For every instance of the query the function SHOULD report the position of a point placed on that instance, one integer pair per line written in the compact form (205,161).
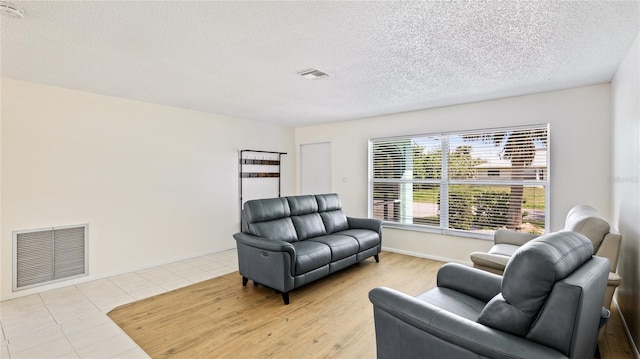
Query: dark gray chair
(548,304)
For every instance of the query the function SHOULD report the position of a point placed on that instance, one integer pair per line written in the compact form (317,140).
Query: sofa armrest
(510,237)
(474,282)
(366,223)
(266,261)
(418,329)
(272,245)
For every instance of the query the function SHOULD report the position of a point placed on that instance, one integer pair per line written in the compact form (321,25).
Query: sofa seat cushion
(366,238)
(341,246)
(453,301)
(504,249)
(310,255)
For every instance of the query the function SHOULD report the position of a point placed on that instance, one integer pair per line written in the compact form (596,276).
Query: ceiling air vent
(10,10)
(313,74)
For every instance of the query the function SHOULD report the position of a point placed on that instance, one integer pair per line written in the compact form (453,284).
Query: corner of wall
(625,185)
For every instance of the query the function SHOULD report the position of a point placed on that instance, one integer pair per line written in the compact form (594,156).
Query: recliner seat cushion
(310,255)
(529,278)
(454,301)
(504,249)
(341,246)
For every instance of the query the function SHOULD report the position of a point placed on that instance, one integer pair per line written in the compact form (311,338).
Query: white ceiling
(241,58)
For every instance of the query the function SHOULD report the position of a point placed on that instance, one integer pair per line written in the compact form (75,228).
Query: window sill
(435,230)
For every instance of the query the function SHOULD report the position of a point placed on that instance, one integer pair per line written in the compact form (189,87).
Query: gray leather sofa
(287,242)
(548,304)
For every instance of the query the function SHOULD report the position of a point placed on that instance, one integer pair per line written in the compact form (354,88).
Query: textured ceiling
(241,59)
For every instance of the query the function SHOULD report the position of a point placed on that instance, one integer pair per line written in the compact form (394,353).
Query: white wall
(626,184)
(155,183)
(580,151)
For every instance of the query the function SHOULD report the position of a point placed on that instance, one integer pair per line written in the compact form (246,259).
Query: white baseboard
(427,256)
(632,344)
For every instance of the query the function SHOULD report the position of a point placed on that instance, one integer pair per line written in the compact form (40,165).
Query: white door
(315,168)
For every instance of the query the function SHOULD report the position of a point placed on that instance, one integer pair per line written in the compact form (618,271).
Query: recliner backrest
(529,278)
(585,220)
(569,320)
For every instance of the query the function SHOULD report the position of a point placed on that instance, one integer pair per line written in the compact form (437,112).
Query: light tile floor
(72,322)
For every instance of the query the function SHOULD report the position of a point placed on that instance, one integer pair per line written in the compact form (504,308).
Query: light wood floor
(330,318)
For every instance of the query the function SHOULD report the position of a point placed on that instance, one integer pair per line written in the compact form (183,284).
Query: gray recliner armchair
(548,304)
(583,219)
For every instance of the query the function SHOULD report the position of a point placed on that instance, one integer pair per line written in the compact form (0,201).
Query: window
(471,182)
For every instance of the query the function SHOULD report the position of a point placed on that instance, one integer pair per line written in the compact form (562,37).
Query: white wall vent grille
(49,255)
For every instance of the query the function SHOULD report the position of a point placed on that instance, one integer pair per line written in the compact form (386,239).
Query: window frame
(444,182)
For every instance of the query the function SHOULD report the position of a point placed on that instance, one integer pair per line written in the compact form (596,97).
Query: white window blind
(468,182)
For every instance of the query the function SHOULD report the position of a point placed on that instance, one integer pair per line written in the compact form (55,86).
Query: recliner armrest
(474,282)
(609,249)
(512,237)
(614,279)
(494,262)
(366,223)
(454,330)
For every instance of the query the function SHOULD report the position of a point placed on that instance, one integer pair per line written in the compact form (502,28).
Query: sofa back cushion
(261,210)
(585,219)
(331,212)
(530,276)
(328,202)
(281,229)
(308,226)
(269,218)
(334,221)
(302,205)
